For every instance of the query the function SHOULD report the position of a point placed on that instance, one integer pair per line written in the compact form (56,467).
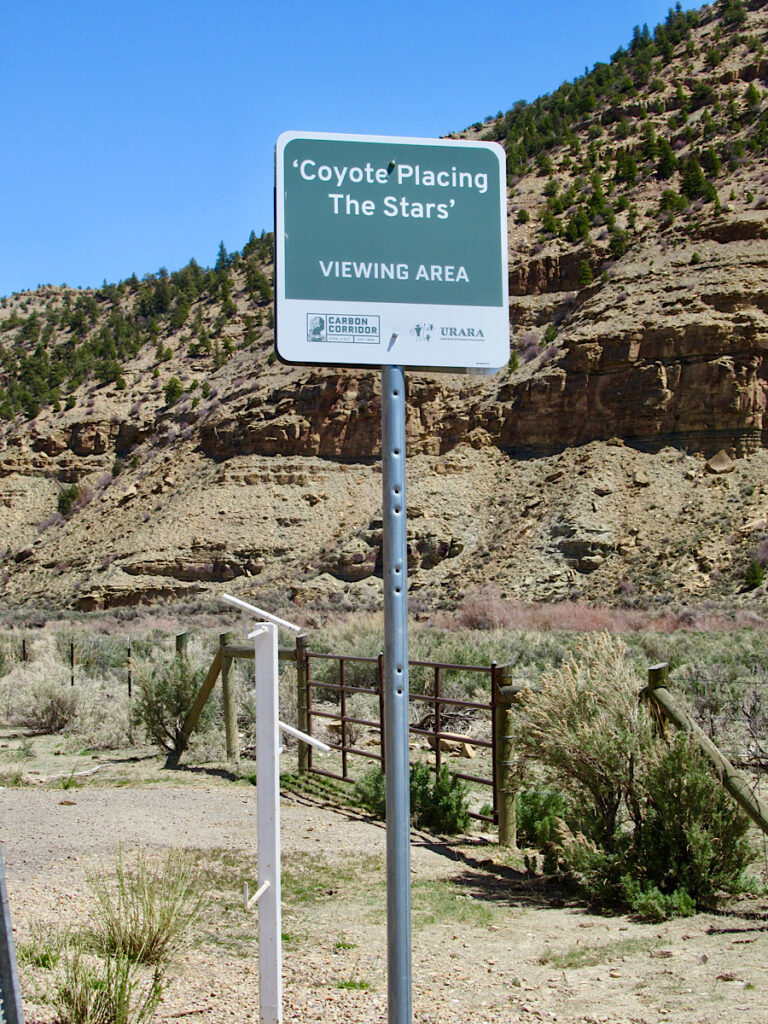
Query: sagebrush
(645,820)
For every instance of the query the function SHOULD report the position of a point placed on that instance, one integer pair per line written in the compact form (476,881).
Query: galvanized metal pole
(10,994)
(396,696)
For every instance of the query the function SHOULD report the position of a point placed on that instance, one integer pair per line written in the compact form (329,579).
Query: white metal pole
(268,824)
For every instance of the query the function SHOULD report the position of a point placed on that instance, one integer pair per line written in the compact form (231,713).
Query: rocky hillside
(152,449)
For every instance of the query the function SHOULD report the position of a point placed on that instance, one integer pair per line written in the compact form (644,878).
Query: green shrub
(165,695)
(173,390)
(690,834)
(370,793)
(438,800)
(67,499)
(619,243)
(649,904)
(587,729)
(536,811)
(641,811)
(584,274)
(754,575)
(440,805)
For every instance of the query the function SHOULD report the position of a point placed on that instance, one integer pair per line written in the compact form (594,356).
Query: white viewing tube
(238,603)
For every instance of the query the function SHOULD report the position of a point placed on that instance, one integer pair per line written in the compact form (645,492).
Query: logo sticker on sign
(344,330)
(379,239)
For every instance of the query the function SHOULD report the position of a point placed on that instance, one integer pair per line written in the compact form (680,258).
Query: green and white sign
(391,251)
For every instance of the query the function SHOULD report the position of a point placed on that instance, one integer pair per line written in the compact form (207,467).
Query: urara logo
(423,331)
(461,332)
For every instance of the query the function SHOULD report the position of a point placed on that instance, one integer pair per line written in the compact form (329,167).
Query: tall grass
(147,911)
(108,991)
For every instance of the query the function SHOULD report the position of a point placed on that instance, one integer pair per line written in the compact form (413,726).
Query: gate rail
(436,701)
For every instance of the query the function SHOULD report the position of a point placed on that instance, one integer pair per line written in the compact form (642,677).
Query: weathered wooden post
(71,662)
(732,780)
(198,704)
(302,704)
(504,783)
(130,671)
(229,700)
(181,644)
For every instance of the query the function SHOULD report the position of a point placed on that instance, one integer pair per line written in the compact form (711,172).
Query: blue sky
(138,135)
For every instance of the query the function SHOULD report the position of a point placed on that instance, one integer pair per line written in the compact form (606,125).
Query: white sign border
(453,327)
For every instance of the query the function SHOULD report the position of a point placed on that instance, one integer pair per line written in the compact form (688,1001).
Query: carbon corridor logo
(348,330)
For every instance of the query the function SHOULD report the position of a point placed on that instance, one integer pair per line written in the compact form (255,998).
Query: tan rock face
(269,473)
(672,353)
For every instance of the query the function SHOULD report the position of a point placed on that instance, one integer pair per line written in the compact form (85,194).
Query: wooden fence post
(71,662)
(198,704)
(731,779)
(301,699)
(130,671)
(504,784)
(229,699)
(181,644)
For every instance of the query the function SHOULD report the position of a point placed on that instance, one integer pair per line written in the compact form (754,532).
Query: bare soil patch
(491,943)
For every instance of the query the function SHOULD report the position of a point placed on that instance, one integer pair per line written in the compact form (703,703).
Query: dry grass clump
(114,972)
(104,991)
(103,717)
(36,693)
(147,910)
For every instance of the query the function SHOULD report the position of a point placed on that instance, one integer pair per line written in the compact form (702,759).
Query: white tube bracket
(305,737)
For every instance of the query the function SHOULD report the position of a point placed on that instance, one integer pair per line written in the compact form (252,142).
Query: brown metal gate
(360,675)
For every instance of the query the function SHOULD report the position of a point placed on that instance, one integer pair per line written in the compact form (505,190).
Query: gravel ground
(489,944)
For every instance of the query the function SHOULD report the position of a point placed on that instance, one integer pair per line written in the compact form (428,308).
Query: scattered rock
(720,463)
